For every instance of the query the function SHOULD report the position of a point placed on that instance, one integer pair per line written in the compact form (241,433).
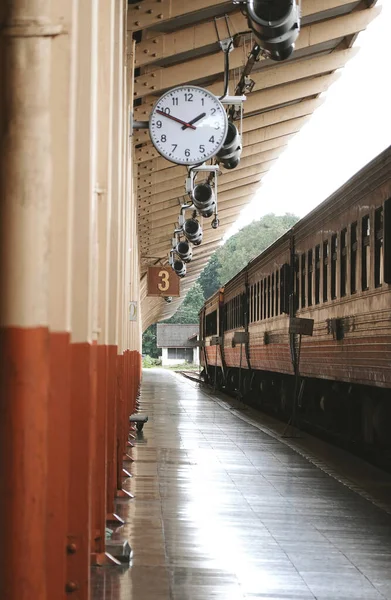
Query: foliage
(188,311)
(209,279)
(149,342)
(249,242)
(149,362)
(228,260)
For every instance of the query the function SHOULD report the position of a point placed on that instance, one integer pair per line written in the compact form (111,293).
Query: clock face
(188,125)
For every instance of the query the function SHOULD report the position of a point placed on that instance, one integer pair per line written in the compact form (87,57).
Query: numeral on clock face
(188,125)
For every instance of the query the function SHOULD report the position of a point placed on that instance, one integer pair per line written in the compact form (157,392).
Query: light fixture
(203,198)
(192,230)
(229,155)
(183,250)
(179,267)
(275,25)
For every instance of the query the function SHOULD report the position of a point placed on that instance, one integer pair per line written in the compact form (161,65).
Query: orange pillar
(24,383)
(58,465)
(112,433)
(83,298)
(25,184)
(81,458)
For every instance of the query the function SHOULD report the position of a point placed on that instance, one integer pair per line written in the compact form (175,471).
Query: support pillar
(25,187)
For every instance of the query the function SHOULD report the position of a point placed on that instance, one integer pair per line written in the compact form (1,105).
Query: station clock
(188,125)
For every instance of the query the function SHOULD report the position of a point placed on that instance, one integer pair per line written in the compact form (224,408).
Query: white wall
(167,362)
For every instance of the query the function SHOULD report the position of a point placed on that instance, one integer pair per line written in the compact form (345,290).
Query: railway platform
(227,509)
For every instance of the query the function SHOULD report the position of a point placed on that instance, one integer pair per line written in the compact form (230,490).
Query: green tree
(222,266)
(190,307)
(149,342)
(209,279)
(249,242)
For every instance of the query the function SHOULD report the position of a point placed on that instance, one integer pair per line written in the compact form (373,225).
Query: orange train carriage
(334,266)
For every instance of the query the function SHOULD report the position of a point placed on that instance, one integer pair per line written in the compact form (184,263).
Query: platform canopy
(177,44)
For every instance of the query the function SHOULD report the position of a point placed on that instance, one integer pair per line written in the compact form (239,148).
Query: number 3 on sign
(165,281)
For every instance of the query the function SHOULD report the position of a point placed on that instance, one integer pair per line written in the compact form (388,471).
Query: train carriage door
(387,240)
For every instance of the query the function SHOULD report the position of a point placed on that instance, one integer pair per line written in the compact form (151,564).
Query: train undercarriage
(356,416)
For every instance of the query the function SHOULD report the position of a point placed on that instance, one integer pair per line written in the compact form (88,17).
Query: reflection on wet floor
(224,511)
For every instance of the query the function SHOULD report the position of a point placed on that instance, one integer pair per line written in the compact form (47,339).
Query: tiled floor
(224,511)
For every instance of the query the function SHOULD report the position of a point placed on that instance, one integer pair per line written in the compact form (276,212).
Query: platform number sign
(162,281)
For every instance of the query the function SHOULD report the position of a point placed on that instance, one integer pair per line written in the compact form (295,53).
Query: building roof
(176,336)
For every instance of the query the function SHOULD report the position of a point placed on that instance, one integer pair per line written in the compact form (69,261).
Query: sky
(351,127)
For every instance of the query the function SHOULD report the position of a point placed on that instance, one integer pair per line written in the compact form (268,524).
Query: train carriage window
(317,274)
(254,302)
(325,269)
(211,323)
(344,262)
(387,241)
(251,303)
(261,300)
(365,252)
(258,301)
(268,297)
(334,256)
(264,299)
(277,292)
(353,258)
(272,297)
(379,250)
(309,277)
(302,293)
(297,284)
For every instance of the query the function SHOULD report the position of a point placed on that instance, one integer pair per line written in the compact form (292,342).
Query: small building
(178,343)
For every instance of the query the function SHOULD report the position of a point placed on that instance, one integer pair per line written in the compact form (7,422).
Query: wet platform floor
(224,511)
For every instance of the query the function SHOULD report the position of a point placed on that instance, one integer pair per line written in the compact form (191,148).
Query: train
(304,330)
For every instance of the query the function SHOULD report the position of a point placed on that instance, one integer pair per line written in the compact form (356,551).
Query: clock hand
(201,116)
(186,125)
